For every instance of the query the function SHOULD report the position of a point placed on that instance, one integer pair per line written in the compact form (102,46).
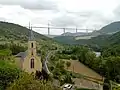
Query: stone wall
(83,83)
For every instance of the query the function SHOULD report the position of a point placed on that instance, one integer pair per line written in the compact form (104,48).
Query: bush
(28,82)
(8,73)
(68,64)
(116,88)
(16,48)
(5,53)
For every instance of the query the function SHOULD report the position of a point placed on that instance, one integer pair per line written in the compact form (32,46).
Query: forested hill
(95,42)
(106,39)
(18,35)
(10,31)
(107,35)
(102,41)
(111,28)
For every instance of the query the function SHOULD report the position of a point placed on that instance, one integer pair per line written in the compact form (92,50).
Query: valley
(71,60)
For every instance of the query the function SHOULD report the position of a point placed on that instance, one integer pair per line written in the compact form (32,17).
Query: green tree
(112,66)
(28,82)
(68,64)
(16,48)
(111,51)
(8,73)
(5,53)
(89,58)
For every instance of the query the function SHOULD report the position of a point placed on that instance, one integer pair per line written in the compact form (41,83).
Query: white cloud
(60,13)
(31,4)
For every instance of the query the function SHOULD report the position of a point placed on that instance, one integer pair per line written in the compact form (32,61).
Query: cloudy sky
(91,14)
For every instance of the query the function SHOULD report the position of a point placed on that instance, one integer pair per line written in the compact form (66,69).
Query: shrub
(8,73)
(28,82)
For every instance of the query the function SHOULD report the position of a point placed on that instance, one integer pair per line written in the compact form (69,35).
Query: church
(29,61)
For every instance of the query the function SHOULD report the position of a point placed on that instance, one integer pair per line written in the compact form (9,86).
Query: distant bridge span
(63,28)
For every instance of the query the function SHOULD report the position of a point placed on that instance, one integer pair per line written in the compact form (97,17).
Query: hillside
(115,38)
(99,40)
(111,28)
(14,33)
(108,29)
(74,34)
(65,39)
(95,42)
(109,34)
(103,40)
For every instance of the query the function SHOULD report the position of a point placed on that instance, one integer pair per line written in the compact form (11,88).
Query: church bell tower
(32,62)
(32,44)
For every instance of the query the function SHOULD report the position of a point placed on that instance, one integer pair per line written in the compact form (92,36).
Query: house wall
(30,49)
(27,64)
(19,62)
(32,54)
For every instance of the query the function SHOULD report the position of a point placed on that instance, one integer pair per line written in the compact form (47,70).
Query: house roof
(31,35)
(21,54)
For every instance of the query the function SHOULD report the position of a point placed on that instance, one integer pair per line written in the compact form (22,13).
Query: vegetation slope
(109,34)
(10,31)
(107,65)
(15,34)
(111,28)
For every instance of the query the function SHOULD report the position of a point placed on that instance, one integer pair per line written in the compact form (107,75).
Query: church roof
(21,54)
(31,34)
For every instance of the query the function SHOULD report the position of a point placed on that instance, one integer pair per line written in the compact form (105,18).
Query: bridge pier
(63,30)
(48,29)
(87,31)
(76,30)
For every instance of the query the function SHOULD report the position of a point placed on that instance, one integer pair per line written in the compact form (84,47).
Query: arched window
(32,45)
(32,63)
(32,52)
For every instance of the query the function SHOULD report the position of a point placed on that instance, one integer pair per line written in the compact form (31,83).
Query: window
(32,63)
(32,52)
(32,45)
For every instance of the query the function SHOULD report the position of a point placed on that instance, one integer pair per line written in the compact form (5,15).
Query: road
(45,67)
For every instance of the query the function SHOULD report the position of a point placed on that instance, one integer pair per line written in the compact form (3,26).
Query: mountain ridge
(112,27)
(102,39)
(9,30)
(16,34)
